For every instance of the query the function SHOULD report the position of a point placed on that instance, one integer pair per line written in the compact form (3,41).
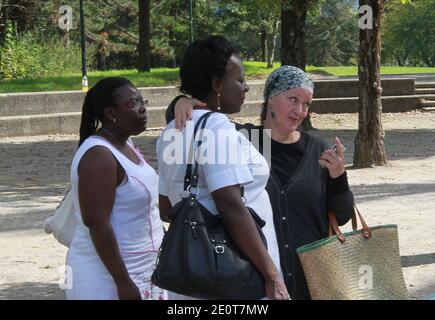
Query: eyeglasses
(136,102)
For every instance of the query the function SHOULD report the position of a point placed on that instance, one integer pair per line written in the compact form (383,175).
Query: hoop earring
(219,101)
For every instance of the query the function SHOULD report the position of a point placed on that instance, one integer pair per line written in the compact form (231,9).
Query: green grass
(258,70)
(353,70)
(157,77)
(166,76)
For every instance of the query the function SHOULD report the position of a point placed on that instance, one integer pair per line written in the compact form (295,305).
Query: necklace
(110,134)
(117,147)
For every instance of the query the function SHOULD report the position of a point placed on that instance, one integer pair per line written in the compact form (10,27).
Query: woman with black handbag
(307,178)
(230,167)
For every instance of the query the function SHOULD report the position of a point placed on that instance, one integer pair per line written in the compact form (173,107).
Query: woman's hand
(183,110)
(276,289)
(241,227)
(333,160)
(128,291)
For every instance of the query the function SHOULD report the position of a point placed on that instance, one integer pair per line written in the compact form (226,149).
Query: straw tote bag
(359,265)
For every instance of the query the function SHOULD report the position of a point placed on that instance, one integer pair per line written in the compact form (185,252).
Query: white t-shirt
(226,158)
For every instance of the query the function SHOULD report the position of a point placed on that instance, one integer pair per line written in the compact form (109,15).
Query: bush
(122,60)
(27,58)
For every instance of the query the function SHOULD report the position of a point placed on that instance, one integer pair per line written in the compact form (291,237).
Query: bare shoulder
(98,160)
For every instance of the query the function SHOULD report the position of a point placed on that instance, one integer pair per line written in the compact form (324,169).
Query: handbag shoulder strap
(191,179)
(335,230)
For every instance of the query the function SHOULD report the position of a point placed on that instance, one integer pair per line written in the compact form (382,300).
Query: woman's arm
(339,197)
(98,180)
(242,229)
(165,208)
(170,110)
(181,109)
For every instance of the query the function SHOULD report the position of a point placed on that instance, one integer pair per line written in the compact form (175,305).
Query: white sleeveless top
(136,224)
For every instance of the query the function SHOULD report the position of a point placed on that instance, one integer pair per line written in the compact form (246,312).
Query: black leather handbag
(198,258)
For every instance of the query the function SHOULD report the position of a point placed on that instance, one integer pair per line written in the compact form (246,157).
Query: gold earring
(219,101)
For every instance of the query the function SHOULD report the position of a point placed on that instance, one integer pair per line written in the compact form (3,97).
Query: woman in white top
(114,249)
(212,73)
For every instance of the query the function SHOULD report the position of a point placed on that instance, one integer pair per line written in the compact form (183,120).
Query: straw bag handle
(334,229)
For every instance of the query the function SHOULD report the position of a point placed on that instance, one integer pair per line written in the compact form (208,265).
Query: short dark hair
(204,60)
(101,96)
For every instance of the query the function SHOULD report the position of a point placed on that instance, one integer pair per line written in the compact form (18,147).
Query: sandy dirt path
(34,173)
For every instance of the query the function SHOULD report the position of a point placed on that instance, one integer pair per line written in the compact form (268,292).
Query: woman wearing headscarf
(212,71)
(307,177)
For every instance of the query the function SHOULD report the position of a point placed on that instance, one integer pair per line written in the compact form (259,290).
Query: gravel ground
(34,173)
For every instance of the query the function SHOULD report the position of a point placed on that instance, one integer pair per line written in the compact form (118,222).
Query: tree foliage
(409,33)
(253,26)
(27,57)
(332,33)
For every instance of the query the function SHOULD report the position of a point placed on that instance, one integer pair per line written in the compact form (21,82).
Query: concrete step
(40,103)
(425,84)
(345,88)
(419,91)
(72,101)
(69,101)
(428,109)
(429,97)
(59,123)
(69,122)
(351,105)
(427,104)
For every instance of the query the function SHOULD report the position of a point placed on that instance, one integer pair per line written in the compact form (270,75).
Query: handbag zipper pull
(194,231)
(193,228)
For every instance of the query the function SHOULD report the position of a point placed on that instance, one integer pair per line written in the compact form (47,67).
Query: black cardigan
(300,207)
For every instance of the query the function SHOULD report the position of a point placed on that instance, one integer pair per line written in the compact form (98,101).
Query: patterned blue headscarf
(286,78)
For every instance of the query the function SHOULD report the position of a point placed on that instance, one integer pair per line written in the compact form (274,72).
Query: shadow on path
(417,260)
(31,291)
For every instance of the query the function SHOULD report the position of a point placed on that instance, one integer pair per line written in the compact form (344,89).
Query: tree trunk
(65,38)
(172,36)
(271,55)
(399,60)
(264,53)
(103,52)
(293,34)
(293,41)
(369,142)
(172,63)
(3,8)
(144,36)
(2,32)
